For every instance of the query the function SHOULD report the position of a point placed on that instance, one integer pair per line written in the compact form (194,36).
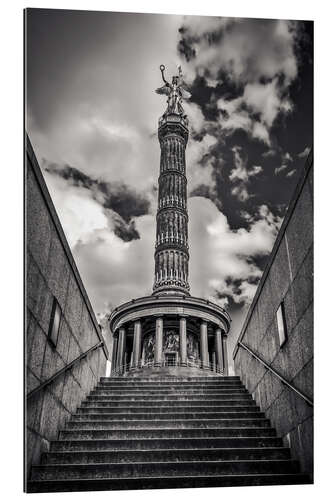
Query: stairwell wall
(51,273)
(288,278)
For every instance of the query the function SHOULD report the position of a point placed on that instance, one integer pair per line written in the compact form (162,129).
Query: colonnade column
(158,342)
(214,361)
(183,341)
(137,343)
(225,355)
(114,353)
(121,347)
(218,349)
(204,344)
(143,356)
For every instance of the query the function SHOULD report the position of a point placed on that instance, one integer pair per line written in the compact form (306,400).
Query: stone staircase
(166,433)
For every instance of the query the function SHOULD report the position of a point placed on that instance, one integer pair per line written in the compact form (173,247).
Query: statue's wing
(185,93)
(163,90)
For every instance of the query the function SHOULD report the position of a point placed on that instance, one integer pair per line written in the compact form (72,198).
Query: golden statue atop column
(176,91)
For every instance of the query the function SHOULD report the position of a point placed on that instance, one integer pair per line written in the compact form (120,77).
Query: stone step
(166,432)
(199,481)
(173,455)
(158,469)
(164,443)
(174,432)
(171,397)
(164,416)
(157,385)
(130,412)
(172,392)
(170,379)
(168,424)
(227,403)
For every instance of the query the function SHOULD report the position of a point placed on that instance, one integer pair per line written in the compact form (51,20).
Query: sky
(92,115)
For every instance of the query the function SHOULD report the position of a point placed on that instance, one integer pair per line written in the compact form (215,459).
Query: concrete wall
(288,277)
(50,271)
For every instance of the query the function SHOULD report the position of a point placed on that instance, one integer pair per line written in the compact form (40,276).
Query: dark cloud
(71,174)
(233,291)
(185,48)
(114,197)
(123,200)
(126,232)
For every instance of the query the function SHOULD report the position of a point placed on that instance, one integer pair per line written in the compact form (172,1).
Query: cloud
(79,213)
(114,264)
(219,256)
(200,163)
(269,153)
(115,271)
(255,170)
(241,192)
(304,153)
(241,174)
(96,107)
(241,292)
(240,171)
(195,115)
(266,100)
(199,26)
(246,49)
(257,56)
(120,203)
(263,101)
(277,170)
(287,157)
(286,160)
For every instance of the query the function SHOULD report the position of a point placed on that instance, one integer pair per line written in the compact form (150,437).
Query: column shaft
(121,348)
(114,353)
(137,343)
(225,355)
(204,344)
(183,341)
(218,349)
(214,361)
(158,342)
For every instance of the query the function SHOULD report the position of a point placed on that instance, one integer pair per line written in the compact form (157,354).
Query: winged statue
(176,91)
